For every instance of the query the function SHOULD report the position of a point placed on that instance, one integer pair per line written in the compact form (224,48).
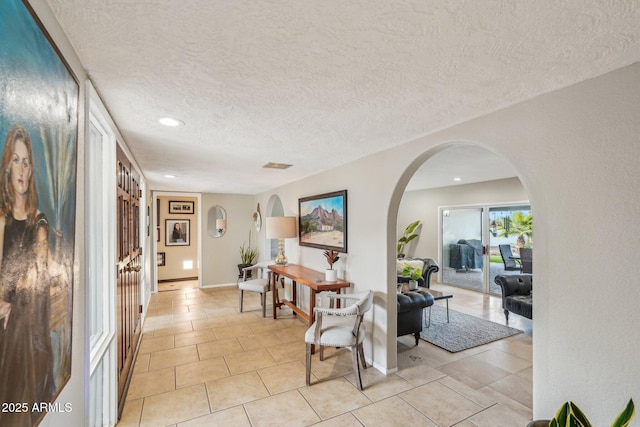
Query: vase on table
(331,275)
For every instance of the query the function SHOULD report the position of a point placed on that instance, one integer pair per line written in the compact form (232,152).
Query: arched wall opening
(274,208)
(517,193)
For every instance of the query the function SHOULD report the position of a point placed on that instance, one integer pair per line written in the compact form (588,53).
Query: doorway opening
(177,244)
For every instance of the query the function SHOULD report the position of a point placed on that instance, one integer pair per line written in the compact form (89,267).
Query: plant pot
(539,423)
(413,285)
(240,267)
(330,275)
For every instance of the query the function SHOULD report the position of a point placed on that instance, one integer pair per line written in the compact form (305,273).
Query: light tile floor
(202,363)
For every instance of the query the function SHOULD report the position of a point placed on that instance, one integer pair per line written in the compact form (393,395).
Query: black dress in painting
(26,355)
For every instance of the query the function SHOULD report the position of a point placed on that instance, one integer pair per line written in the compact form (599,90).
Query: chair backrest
(505,253)
(365,302)
(261,269)
(526,258)
(363,305)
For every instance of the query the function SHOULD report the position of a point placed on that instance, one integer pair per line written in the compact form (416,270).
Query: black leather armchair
(429,266)
(516,294)
(410,312)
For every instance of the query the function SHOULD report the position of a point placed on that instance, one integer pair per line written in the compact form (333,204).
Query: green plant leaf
(406,238)
(573,421)
(579,415)
(624,418)
(562,416)
(411,227)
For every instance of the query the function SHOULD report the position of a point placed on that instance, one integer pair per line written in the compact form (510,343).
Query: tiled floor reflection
(202,363)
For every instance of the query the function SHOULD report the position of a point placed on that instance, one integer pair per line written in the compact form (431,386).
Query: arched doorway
(274,208)
(467,200)
(439,160)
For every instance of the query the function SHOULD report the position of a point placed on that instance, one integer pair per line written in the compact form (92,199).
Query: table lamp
(281,227)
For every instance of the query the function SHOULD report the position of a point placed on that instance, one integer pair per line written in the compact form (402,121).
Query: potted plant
(247,256)
(414,274)
(569,415)
(408,236)
(332,257)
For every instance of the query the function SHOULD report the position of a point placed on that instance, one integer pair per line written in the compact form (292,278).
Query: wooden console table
(314,280)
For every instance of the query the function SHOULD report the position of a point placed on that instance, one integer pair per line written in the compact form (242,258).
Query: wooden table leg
(274,293)
(312,305)
(294,294)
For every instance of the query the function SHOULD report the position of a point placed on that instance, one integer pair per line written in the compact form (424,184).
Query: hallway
(203,363)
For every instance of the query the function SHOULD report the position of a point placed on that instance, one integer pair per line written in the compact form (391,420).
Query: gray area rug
(463,331)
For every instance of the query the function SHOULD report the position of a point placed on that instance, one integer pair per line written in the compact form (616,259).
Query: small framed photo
(178,207)
(177,232)
(161,259)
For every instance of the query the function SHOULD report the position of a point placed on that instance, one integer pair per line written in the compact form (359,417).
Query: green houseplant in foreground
(569,415)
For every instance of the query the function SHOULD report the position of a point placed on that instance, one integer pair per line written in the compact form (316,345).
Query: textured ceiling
(318,84)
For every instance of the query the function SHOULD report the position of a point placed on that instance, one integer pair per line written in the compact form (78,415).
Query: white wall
(576,151)
(221,255)
(423,205)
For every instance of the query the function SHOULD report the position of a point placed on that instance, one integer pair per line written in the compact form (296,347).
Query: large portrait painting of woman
(38,133)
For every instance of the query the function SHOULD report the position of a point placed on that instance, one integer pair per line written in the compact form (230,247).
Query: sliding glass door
(462,247)
(480,242)
(510,229)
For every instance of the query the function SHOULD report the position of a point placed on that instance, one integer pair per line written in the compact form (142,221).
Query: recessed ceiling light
(457,178)
(272,165)
(168,121)
(169,176)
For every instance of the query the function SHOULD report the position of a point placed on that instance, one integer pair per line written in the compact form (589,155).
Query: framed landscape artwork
(177,232)
(39,98)
(323,221)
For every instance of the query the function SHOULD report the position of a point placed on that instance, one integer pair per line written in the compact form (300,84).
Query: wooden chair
(340,327)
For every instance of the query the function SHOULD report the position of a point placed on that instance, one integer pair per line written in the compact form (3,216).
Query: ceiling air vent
(272,165)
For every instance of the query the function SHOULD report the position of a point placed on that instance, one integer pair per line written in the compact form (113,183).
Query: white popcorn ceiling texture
(317,84)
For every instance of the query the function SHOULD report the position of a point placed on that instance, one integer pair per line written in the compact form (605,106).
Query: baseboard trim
(178,280)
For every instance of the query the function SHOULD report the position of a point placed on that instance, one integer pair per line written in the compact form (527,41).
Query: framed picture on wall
(177,207)
(161,259)
(323,221)
(177,232)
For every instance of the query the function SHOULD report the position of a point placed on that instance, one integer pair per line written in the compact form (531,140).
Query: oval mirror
(217,221)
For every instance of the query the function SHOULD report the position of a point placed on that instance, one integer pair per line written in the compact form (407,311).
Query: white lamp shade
(221,224)
(281,227)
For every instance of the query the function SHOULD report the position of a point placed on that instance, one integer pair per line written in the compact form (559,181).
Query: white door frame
(100,217)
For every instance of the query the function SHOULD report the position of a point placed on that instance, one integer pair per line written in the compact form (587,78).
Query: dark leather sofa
(516,294)
(410,311)
(429,266)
